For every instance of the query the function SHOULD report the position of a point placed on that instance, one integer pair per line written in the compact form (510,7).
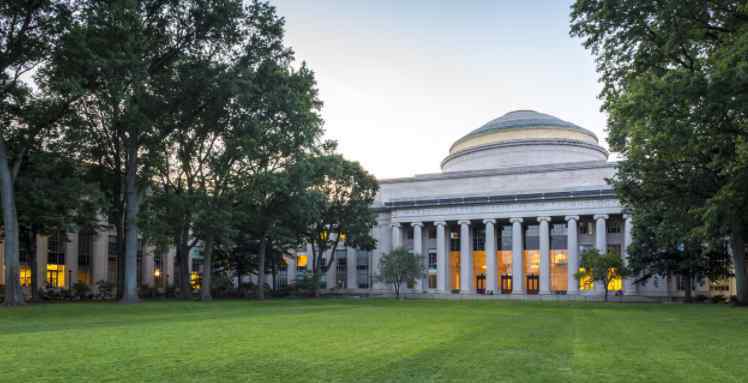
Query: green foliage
(674,76)
(105,289)
(400,267)
(81,290)
(336,204)
(601,268)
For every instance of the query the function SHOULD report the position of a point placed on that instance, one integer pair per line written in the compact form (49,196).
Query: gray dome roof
(525,118)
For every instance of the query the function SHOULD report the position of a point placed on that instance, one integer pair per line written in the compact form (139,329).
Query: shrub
(719,299)
(701,298)
(105,289)
(221,286)
(146,291)
(81,290)
(455,291)
(305,285)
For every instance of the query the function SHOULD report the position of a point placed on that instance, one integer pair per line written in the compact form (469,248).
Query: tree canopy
(674,77)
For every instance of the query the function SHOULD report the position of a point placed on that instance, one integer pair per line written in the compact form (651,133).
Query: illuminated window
(25,276)
(56,276)
(84,277)
(195,279)
(559,270)
(56,260)
(586,283)
(454,268)
(301,262)
(615,284)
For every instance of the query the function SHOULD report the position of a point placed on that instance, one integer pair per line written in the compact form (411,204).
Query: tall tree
(338,209)
(29,30)
(56,198)
(118,55)
(674,76)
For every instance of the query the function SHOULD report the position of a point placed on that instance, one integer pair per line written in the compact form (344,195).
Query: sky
(402,80)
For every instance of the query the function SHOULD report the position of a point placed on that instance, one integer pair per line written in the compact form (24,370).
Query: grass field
(373,341)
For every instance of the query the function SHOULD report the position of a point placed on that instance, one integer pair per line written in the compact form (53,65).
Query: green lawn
(373,341)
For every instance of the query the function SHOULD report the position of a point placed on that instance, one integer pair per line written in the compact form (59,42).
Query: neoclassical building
(518,200)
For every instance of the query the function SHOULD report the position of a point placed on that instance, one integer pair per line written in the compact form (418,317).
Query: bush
(81,290)
(701,298)
(719,299)
(455,291)
(733,299)
(222,286)
(105,289)
(306,284)
(146,291)
(171,291)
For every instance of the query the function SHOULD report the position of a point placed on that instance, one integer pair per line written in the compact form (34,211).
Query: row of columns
(518,277)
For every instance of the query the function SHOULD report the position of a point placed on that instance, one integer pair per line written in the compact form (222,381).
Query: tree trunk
(606,290)
(273,269)
(261,269)
(130,293)
(738,257)
(184,282)
(13,292)
(687,284)
(207,271)
(316,272)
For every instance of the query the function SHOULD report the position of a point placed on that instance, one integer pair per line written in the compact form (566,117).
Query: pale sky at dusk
(402,80)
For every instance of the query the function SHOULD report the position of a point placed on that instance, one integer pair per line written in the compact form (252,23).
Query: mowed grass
(377,340)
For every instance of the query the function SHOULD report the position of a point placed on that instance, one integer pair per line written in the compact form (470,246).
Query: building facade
(517,202)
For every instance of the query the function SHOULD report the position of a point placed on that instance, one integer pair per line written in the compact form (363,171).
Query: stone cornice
(506,171)
(502,199)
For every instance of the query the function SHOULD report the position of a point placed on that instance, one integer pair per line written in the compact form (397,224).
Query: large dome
(523,138)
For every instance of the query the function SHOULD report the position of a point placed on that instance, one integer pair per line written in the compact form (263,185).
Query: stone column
(518,272)
(291,269)
(350,268)
(601,242)
(418,249)
(466,258)
(148,266)
(310,258)
(491,269)
(601,232)
(628,283)
(71,260)
(441,256)
(100,256)
(572,250)
(545,255)
(397,236)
